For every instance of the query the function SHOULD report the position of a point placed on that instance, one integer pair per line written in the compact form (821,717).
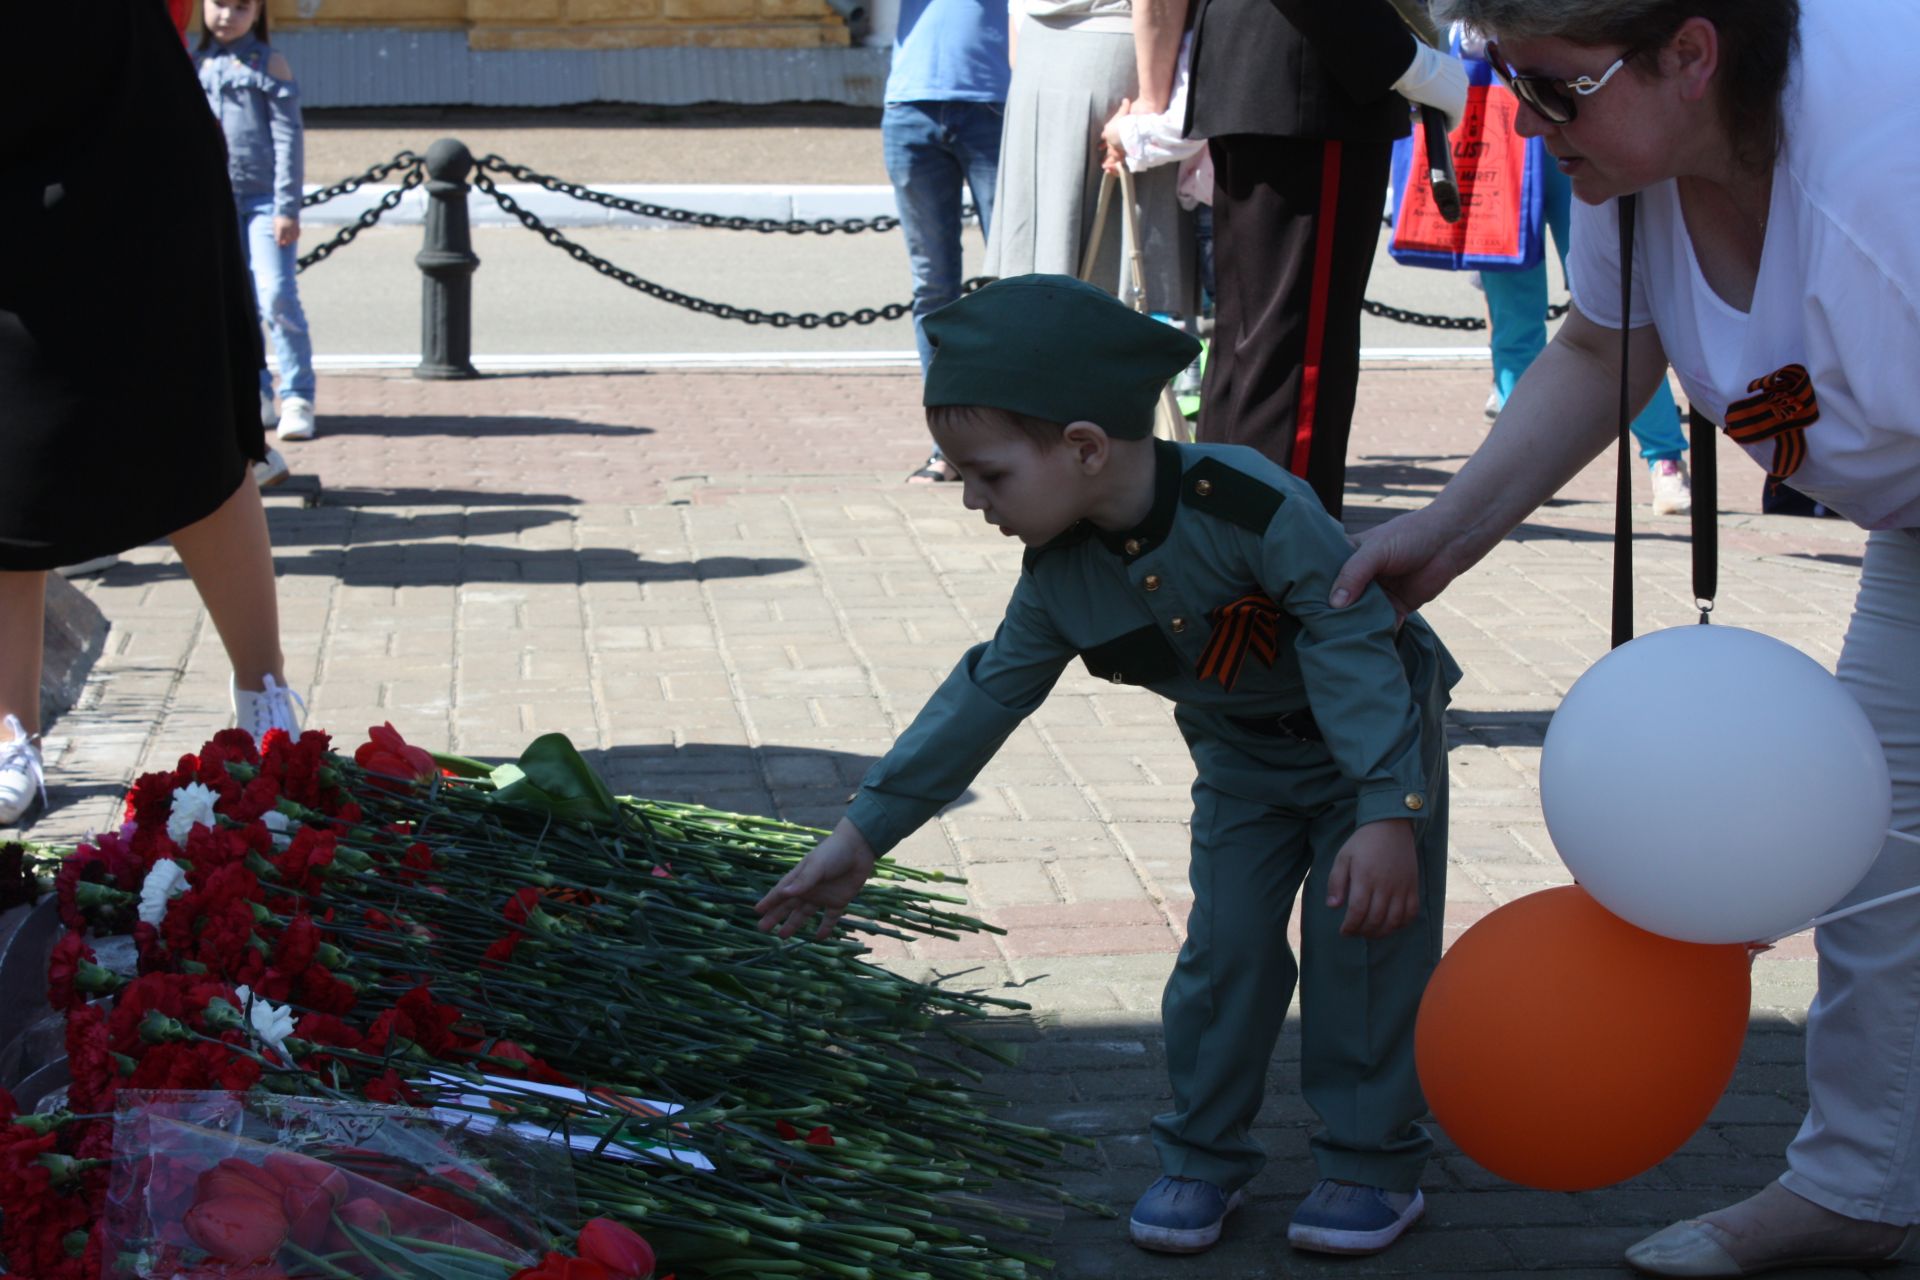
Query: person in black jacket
(92,462)
(1302,101)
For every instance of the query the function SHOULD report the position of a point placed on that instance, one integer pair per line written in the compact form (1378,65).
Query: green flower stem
(454,1251)
(326,1268)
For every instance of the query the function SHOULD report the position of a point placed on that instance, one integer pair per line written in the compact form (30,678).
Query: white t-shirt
(1838,290)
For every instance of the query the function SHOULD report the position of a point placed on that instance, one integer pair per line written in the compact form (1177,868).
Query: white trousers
(1858,1152)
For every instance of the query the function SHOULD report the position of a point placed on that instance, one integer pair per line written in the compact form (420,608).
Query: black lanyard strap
(1702,434)
(1623,477)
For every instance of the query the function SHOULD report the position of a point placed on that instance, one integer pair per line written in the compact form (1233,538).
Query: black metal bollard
(446,264)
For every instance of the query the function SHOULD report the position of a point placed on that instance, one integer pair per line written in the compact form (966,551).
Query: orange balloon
(1565,1049)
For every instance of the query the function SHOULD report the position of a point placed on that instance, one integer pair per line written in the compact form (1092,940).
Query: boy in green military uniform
(1201,572)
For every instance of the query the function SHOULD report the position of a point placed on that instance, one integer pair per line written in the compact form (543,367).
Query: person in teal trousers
(1200,572)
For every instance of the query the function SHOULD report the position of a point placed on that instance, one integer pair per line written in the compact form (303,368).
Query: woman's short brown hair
(1757,42)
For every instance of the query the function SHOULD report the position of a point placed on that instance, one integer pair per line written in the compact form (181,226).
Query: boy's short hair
(1044,433)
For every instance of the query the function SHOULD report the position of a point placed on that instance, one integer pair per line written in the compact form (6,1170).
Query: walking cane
(1168,420)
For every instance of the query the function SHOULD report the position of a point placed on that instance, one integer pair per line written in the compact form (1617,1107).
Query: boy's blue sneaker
(1180,1215)
(1345,1217)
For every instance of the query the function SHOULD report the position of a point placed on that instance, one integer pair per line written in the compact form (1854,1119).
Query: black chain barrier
(486,166)
(715,221)
(1425,321)
(416,173)
(721,310)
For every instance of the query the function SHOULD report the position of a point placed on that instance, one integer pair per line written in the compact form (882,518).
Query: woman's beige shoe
(1767,1232)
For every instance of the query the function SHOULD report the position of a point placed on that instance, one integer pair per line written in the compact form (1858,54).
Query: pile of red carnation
(245,981)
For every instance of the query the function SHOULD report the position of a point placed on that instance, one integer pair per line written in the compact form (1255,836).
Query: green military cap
(1054,348)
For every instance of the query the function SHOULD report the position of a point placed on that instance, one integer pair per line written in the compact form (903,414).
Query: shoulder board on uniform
(1212,486)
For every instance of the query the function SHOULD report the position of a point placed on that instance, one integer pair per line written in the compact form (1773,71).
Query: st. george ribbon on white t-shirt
(1822,374)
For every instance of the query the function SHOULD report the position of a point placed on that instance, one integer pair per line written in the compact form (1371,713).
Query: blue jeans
(932,148)
(1517,316)
(273,286)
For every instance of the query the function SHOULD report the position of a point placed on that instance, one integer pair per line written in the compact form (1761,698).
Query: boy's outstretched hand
(1377,875)
(826,881)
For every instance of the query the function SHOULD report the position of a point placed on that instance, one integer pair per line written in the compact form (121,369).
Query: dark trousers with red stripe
(1295,222)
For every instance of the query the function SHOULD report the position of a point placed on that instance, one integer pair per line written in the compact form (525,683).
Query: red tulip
(295,1170)
(238,1228)
(367,1215)
(618,1247)
(220,1182)
(385,751)
(309,1213)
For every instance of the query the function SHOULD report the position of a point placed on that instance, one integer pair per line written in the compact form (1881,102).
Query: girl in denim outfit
(253,94)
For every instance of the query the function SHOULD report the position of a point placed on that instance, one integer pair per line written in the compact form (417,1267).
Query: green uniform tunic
(1304,721)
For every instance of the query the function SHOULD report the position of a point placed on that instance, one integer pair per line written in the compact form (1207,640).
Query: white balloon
(1714,785)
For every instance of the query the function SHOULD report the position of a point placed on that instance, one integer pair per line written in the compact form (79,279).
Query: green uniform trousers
(1228,996)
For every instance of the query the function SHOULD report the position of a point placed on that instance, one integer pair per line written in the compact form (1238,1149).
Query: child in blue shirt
(253,93)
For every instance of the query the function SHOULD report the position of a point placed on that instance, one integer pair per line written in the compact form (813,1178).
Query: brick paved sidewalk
(718,586)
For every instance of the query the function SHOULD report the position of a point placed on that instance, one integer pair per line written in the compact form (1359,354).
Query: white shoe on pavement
(22,780)
(1672,492)
(1495,403)
(272,471)
(273,707)
(296,419)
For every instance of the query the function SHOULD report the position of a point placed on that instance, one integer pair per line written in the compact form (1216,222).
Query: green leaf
(552,777)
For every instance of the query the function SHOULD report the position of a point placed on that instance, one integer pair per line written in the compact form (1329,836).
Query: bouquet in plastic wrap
(252,1185)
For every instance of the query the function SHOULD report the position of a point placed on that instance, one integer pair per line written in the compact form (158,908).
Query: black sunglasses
(1548,95)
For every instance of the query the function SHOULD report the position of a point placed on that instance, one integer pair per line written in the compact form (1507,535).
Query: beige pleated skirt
(1067,83)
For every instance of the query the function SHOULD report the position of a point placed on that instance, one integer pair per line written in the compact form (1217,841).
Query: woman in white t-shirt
(1777,268)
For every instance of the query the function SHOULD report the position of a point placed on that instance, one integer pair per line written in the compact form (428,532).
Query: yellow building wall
(585,24)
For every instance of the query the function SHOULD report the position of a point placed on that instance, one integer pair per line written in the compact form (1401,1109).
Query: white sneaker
(21,777)
(1672,493)
(296,419)
(87,568)
(1495,403)
(271,708)
(271,472)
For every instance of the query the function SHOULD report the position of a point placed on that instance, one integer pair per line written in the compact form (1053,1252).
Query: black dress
(129,349)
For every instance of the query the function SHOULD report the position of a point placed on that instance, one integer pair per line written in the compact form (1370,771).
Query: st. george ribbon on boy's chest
(1156,607)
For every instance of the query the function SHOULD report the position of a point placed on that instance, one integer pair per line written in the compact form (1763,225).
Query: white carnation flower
(278,823)
(272,1023)
(165,882)
(192,804)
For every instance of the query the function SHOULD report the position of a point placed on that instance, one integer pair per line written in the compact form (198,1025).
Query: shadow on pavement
(1827,557)
(465,426)
(365,497)
(1103,1079)
(373,525)
(1402,475)
(1498,728)
(441,564)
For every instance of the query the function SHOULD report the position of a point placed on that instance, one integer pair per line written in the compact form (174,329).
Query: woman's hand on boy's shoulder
(827,880)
